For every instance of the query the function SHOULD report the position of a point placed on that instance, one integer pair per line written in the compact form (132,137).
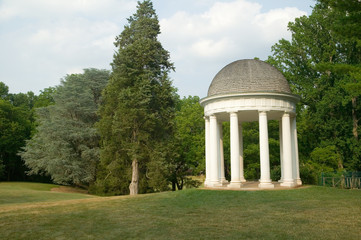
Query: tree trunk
(180,186)
(173,186)
(133,187)
(354,118)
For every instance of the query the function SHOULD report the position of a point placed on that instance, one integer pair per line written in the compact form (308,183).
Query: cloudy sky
(43,40)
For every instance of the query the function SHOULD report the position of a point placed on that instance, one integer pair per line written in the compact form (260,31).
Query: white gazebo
(245,91)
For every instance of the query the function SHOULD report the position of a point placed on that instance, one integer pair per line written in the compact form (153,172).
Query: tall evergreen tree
(66,143)
(138,105)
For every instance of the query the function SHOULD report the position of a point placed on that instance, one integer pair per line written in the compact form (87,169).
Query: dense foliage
(15,128)
(66,143)
(188,144)
(322,64)
(17,124)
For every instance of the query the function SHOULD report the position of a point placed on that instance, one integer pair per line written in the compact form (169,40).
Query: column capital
(290,114)
(293,116)
(286,114)
(206,117)
(232,112)
(262,112)
(212,117)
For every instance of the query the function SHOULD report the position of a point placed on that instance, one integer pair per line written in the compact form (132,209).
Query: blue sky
(43,40)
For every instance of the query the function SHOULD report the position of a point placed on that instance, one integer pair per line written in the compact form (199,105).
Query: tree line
(127,130)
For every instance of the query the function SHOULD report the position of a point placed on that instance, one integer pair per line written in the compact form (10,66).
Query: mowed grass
(26,192)
(305,213)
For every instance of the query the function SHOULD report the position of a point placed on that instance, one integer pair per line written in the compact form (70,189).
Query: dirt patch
(65,189)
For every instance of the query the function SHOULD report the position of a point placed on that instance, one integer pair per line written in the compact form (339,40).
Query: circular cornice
(290,97)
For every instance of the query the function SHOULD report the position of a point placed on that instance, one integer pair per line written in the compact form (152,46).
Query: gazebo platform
(251,186)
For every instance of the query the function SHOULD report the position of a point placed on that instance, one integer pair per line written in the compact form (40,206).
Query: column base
(223,181)
(243,180)
(288,183)
(266,185)
(214,184)
(206,183)
(298,182)
(280,181)
(235,185)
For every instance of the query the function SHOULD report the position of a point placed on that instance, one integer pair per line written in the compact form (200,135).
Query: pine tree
(138,105)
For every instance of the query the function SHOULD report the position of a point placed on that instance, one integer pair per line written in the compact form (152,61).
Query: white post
(207,148)
(221,155)
(288,180)
(295,152)
(241,161)
(281,150)
(265,180)
(235,163)
(214,141)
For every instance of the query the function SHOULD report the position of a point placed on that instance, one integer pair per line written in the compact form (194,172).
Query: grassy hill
(34,212)
(25,192)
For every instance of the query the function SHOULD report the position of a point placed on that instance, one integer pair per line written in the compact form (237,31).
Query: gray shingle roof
(247,76)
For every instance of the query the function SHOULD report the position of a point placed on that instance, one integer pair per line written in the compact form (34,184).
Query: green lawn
(306,213)
(23,192)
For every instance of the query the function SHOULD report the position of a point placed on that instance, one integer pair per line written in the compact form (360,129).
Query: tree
(15,128)
(17,120)
(45,97)
(347,27)
(4,90)
(312,62)
(349,17)
(188,144)
(138,105)
(66,143)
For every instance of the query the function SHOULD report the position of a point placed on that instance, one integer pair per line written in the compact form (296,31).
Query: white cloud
(43,40)
(62,8)
(273,24)
(227,31)
(233,24)
(7,13)
(205,48)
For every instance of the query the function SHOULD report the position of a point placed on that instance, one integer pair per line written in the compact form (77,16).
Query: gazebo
(244,91)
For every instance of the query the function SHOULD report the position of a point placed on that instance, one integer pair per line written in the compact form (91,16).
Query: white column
(288,180)
(235,163)
(295,151)
(214,141)
(281,149)
(265,180)
(241,161)
(207,150)
(222,178)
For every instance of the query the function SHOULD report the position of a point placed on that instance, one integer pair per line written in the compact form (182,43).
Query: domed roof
(248,76)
